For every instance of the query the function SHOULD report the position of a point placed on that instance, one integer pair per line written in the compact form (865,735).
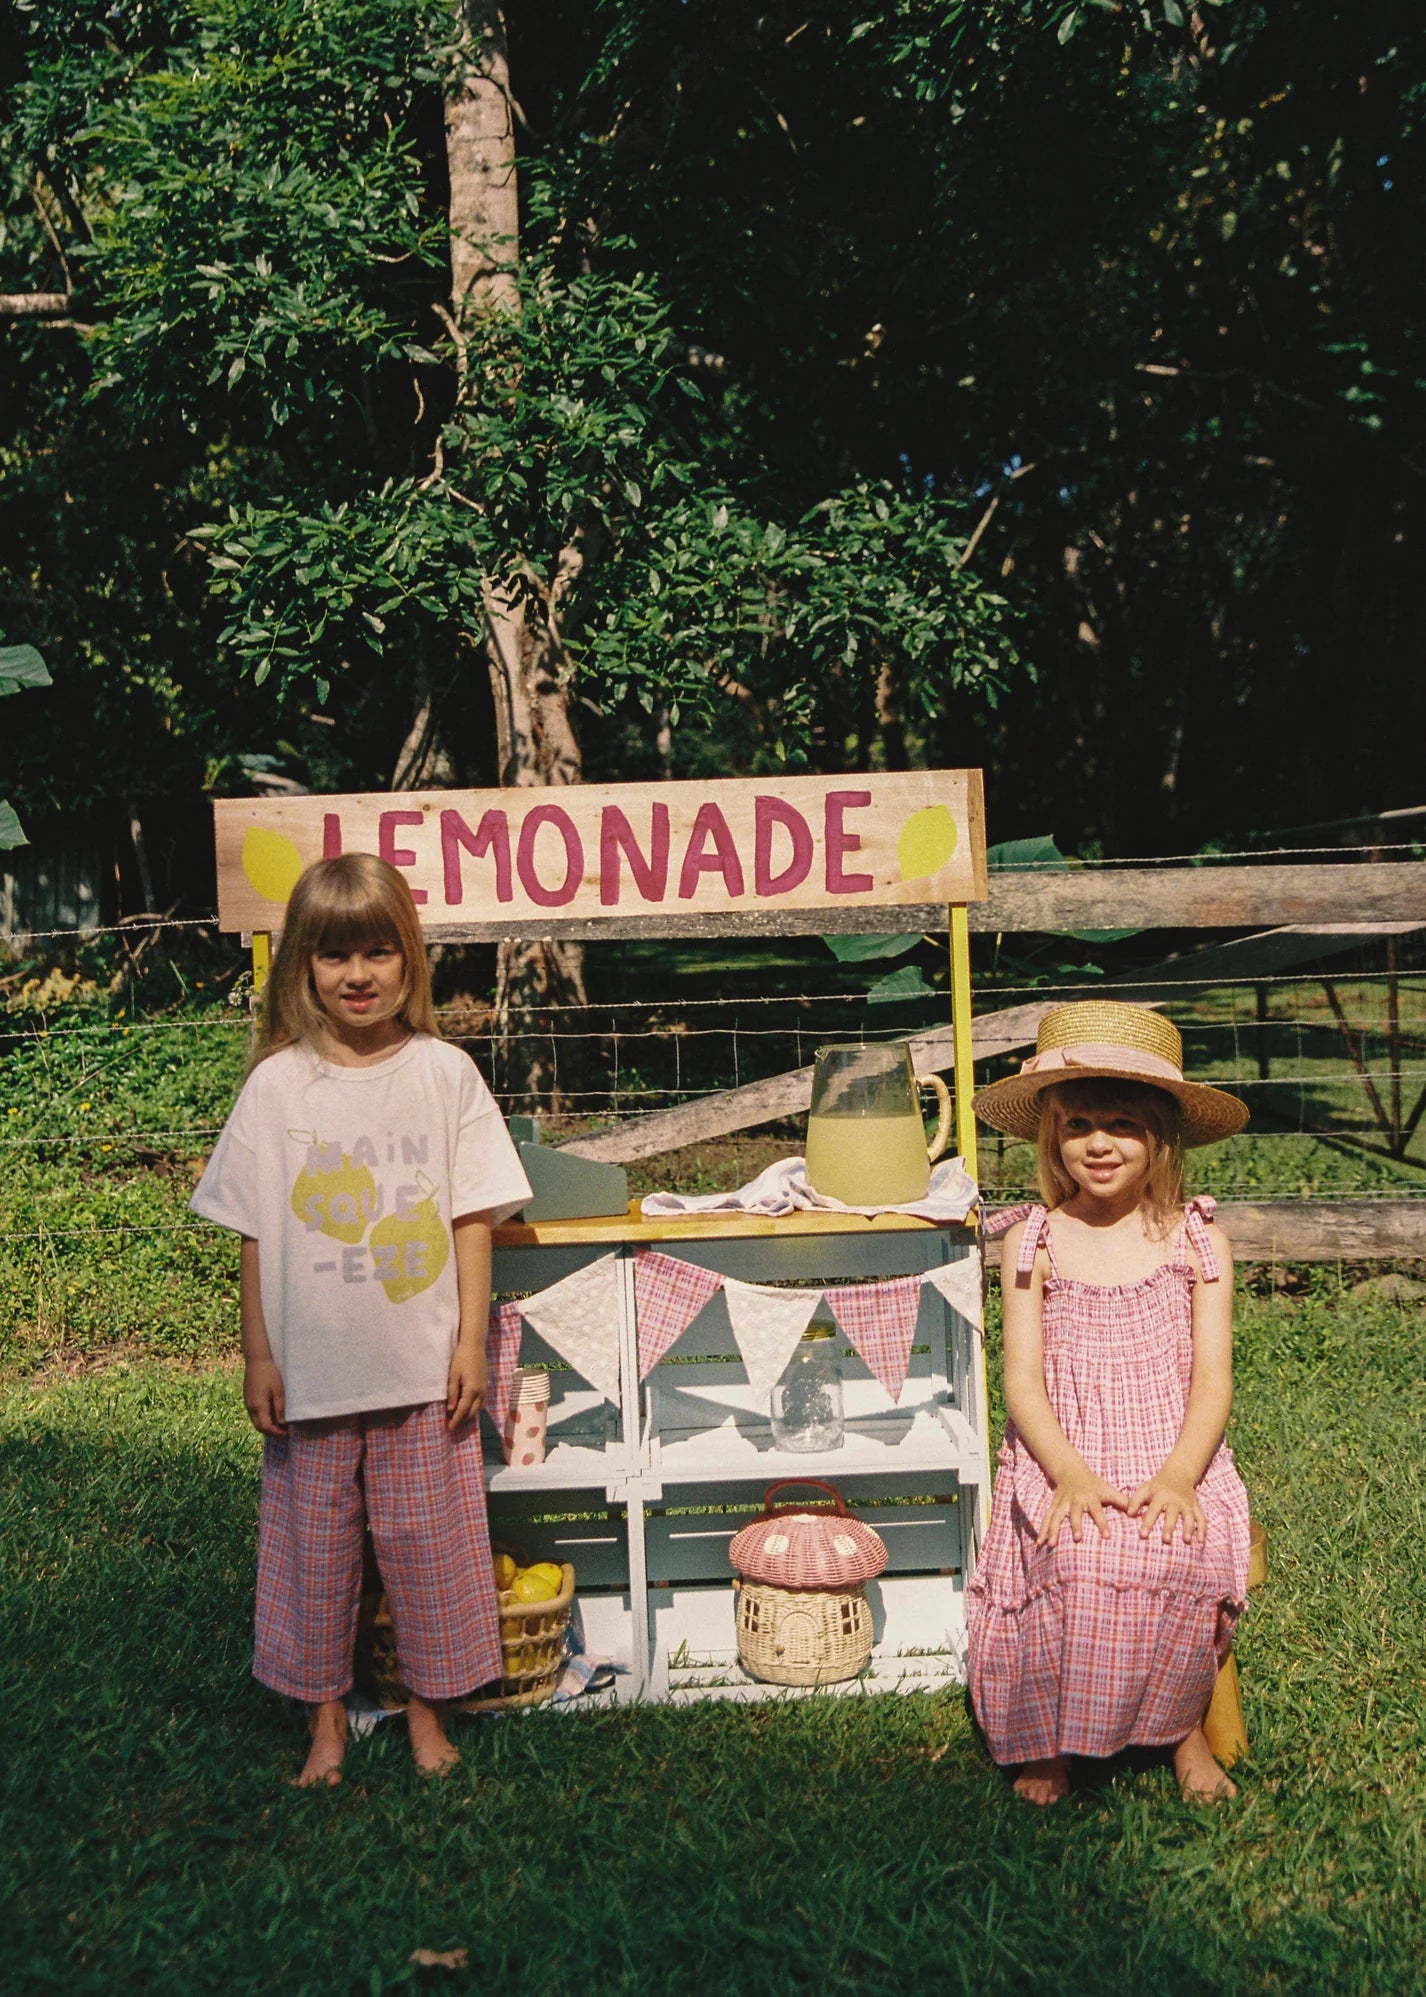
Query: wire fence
(106,1118)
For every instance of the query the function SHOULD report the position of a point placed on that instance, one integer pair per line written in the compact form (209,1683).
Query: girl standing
(364,1165)
(1116,1563)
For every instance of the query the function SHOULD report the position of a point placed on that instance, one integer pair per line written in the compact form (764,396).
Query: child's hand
(1175,1501)
(1077,1492)
(465,1388)
(263,1396)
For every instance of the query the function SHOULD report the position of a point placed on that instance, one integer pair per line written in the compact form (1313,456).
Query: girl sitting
(1115,1567)
(364,1165)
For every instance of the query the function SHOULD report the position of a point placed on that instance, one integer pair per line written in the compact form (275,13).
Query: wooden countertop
(632,1228)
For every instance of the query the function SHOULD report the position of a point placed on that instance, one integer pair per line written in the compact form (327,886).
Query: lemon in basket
(550,1570)
(505,1570)
(531,1587)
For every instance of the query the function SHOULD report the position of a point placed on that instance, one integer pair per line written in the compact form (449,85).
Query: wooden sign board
(718,857)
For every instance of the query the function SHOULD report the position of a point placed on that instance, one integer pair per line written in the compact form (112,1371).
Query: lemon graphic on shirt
(409,1250)
(271,862)
(927,841)
(339,1202)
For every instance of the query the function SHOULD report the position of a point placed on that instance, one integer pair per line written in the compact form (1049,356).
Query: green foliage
(573,433)
(1128,292)
(265,212)
(258,241)
(20,666)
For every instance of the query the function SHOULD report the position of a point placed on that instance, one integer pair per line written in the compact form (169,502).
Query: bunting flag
(960,1284)
(502,1354)
(880,1321)
(767,1324)
(579,1317)
(668,1295)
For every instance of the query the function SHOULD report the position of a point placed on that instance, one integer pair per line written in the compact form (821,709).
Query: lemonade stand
(658,1333)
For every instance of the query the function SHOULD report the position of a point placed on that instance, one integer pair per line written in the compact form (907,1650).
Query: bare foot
(1043,1782)
(327,1725)
(432,1748)
(1200,1778)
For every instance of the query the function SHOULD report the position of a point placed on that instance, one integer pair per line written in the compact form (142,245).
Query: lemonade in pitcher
(866,1144)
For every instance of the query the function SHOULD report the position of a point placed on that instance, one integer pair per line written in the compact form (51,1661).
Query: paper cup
(525,1425)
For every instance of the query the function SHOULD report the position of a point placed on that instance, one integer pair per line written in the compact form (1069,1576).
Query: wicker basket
(802,1613)
(531,1637)
(803,1636)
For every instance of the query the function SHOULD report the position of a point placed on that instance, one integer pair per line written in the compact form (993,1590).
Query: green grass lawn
(148,1841)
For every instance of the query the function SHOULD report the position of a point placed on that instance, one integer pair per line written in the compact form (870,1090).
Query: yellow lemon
(341,1201)
(528,1587)
(271,863)
(505,1570)
(548,1570)
(927,841)
(408,1253)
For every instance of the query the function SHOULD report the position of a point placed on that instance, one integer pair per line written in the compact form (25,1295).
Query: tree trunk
(535,733)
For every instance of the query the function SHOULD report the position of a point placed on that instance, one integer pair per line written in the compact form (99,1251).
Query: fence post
(961,1021)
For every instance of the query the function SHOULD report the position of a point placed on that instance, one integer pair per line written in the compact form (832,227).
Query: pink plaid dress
(1085,1648)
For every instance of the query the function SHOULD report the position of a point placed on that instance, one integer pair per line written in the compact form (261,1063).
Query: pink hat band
(1123,1060)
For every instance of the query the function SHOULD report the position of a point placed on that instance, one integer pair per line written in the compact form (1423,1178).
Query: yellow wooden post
(961,1030)
(262,960)
(961,1025)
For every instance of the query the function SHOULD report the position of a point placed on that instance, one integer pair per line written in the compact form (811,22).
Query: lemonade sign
(541,859)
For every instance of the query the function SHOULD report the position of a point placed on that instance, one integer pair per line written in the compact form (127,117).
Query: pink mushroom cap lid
(804,1549)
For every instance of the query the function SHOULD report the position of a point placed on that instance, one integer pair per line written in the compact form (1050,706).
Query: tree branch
(36,304)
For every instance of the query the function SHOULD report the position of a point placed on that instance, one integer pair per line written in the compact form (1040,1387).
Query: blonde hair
(353,902)
(1163,1122)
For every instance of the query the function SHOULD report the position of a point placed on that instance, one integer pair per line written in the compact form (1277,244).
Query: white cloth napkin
(783,1189)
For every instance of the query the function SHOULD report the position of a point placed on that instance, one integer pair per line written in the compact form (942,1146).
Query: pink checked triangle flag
(502,1351)
(668,1295)
(880,1321)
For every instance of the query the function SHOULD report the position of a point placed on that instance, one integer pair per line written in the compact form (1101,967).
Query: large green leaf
(907,983)
(1040,853)
(21,666)
(11,831)
(865,949)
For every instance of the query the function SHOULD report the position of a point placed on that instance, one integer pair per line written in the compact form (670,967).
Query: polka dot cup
(525,1424)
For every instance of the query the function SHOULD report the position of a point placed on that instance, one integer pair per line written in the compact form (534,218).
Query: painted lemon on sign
(271,862)
(927,841)
(412,1247)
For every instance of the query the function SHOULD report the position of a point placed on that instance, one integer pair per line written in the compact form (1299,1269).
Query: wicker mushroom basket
(802,1612)
(531,1639)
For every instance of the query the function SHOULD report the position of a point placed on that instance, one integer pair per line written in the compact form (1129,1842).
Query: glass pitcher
(866,1143)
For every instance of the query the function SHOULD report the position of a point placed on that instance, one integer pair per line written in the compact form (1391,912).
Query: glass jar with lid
(807,1401)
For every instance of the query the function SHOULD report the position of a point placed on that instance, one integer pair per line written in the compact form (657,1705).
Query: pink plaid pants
(423,1492)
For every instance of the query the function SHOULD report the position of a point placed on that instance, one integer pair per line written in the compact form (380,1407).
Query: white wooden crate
(643,1499)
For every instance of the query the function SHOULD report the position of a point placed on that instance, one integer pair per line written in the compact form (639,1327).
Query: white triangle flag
(767,1324)
(579,1317)
(959,1283)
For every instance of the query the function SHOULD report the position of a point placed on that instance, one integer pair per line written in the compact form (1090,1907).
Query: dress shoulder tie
(1037,1234)
(1194,1234)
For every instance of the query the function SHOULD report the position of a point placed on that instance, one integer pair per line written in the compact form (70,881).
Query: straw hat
(1105,1037)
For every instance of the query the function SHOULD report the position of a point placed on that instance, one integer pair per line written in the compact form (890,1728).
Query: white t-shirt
(349,1179)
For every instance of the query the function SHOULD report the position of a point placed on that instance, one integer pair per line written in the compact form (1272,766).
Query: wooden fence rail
(1316,910)
(1353,1230)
